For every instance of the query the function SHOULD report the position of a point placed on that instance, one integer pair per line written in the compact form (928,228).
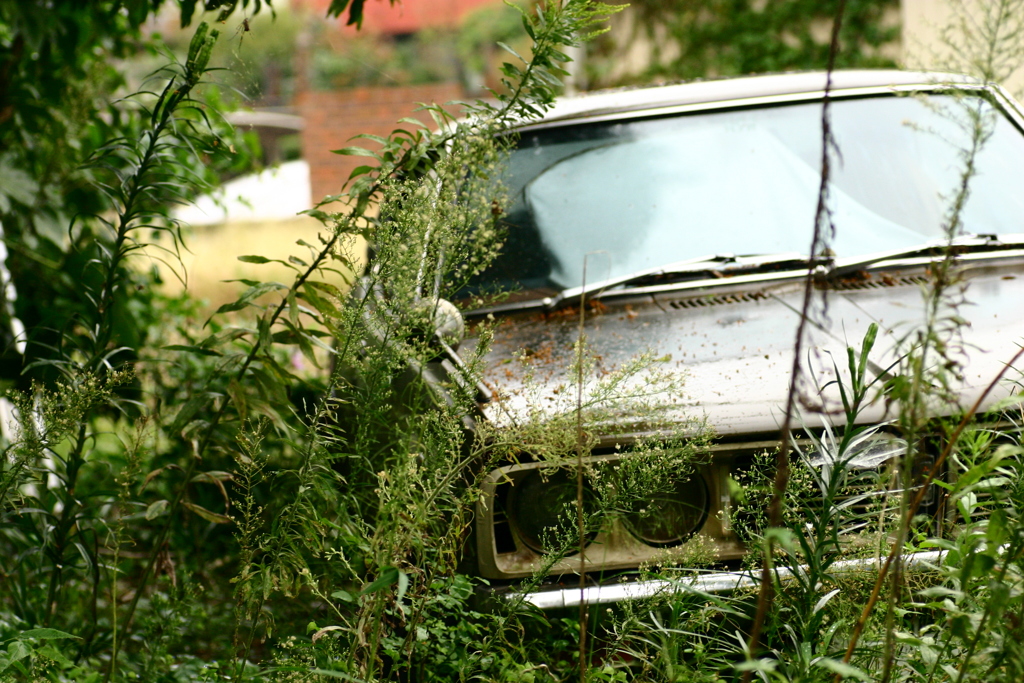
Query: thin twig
(580,341)
(782,468)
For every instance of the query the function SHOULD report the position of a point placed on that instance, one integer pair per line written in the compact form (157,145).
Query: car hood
(724,355)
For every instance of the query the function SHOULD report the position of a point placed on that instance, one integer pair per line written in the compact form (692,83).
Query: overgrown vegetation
(129,473)
(185,504)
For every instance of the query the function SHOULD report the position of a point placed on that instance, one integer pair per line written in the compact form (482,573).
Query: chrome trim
(642,112)
(766,279)
(705,283)
(718,582)
(732,88)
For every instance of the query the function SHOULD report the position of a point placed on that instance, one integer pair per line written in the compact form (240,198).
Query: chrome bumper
(717,582)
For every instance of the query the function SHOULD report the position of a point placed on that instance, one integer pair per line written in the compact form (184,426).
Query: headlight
(671,517)
(543,502)
(526,509)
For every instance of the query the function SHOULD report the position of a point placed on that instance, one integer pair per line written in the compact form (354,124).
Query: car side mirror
(448,323)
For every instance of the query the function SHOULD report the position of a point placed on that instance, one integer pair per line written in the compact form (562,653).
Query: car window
(650,192)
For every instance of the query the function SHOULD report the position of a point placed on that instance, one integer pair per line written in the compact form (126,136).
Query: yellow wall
(213,252)
(924,22)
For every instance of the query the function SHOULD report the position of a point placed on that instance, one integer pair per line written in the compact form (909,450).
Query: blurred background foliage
(62,97)
(651,41)
(687,39)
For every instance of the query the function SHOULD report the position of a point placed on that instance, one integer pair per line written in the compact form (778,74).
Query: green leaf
(293,308)
(199,351)
(388,577)
(326,287)
(361,170)
(52,653)
(156,509)
(996,532)
(197,43)
(271,387)
(17,650)
(527,25)
(976,473)
(187,411)
(217,479)
(229,334)
(321,216)
(344,596)
(249,295)
(355,13)
(412,121)
(151,476)
(188,8)
(238,398)
(844,670)
(820,605)
(208,515)
(764,664)
(783,537)
(336,8)
(324,631)
(253,259)
(737,492)
(213,476)
(289,336)
(337,674)
(15,184)
(372,137)
(233,306)
(265,336)
(319,304)
(355,152)
(508,49)
(46,634)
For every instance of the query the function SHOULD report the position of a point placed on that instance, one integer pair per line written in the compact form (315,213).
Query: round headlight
(542,503)
(671,517)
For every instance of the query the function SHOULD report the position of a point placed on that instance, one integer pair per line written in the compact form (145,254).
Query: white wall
(925,21)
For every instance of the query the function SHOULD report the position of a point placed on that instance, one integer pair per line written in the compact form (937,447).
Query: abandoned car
(680,219)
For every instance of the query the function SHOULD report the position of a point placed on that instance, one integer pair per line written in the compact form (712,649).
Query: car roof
(604,103)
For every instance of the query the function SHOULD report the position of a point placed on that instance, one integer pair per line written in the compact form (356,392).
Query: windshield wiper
(722,266)
(714,266)
(964,244)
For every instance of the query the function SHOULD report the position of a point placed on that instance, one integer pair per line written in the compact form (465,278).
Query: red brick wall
(332,118)
(407,16)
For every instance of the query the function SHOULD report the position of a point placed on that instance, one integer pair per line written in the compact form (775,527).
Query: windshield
(641,194)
